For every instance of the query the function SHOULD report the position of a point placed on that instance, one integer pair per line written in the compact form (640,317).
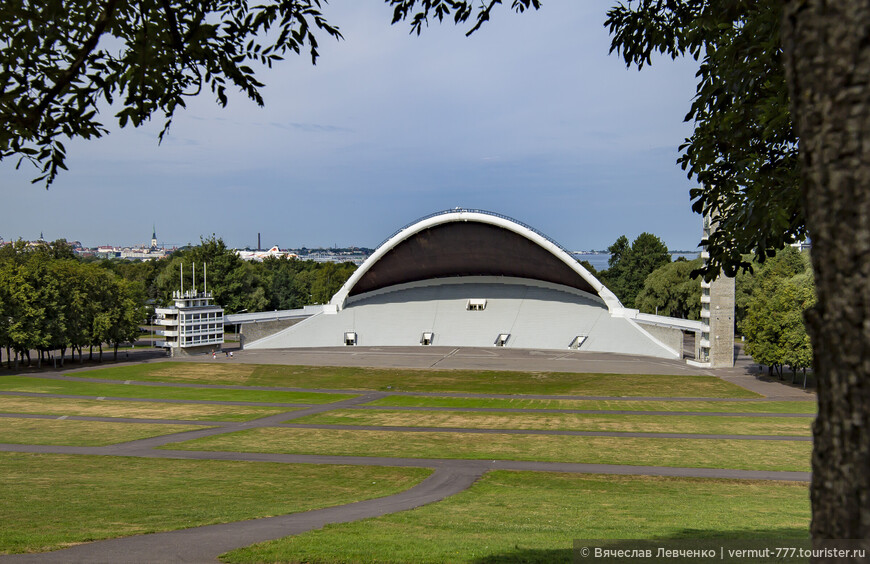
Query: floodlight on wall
(476,304)
(427,339)
(349,338)
(577,342)
(502,339)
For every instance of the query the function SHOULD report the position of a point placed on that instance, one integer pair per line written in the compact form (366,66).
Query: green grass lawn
(534,517)
(567,422)
(52,501)
(71,387)
(472,381)
(67,432)
(806,407)
(134,409)
(696,453)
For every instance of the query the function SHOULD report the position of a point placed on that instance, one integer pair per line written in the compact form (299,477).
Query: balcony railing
(190,333)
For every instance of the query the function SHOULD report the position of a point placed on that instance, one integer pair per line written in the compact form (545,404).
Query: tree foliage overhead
(743,150)
(461,11)
(65,61)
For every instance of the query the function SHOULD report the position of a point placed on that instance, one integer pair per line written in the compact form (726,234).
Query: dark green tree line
(774,300)
(51,301)
(240,285)
(673,290)
(629,265)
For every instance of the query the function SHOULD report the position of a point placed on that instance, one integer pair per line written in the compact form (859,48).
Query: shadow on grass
(529,555)
(681,540)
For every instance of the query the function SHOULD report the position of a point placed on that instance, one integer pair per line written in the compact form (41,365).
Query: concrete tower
(717,315)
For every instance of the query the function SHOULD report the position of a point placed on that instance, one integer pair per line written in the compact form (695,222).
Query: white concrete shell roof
(557,256)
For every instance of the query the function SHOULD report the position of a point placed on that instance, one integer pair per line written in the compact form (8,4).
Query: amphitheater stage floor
(472,359)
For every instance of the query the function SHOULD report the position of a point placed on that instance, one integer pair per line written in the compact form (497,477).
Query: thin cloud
(311,127)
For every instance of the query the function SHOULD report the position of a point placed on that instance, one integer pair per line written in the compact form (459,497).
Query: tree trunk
(101,353)
(115,357)
(826,49)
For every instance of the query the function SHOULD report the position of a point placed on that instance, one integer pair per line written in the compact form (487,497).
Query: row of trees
(51,301)
(770,298)
(771,304)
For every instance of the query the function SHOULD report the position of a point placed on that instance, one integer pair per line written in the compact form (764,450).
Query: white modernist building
(473,278)
(192,325)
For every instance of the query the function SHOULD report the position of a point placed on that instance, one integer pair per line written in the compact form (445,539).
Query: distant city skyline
(146,242)
(530,117)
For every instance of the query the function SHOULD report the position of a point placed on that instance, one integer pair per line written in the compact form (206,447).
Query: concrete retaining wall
(193,351)
(670,336)
(251,332)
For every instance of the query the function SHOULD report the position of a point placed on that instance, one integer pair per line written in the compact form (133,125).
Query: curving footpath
(450,476)
(205,544)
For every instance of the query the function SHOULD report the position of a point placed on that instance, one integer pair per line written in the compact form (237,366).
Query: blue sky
(529,117)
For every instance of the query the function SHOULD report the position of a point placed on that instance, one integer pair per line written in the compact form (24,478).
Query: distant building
(107,251)
(259,256)
(193,325)
(153,237)
(716,347)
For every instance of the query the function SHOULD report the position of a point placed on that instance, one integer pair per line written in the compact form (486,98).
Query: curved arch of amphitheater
(473,278)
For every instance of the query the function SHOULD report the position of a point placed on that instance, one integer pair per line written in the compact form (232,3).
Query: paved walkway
(204,544)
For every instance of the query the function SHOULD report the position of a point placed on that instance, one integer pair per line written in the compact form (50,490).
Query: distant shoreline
(599,259)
